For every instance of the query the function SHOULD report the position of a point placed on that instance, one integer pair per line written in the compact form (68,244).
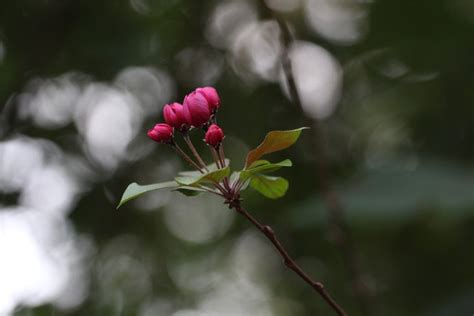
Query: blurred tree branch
(338,227)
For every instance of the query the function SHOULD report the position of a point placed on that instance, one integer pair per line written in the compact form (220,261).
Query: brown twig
(337,222)
(288,260)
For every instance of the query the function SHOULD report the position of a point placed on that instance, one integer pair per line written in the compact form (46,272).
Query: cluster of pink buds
(197,113)
(198,110)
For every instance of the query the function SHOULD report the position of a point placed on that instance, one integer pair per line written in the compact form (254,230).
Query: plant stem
(212,191)
(186,157)
(239,185)
(218,164)
(195,165)
(221,155)
(288,260)
(236,185)
(220,188)
(215,157)
(335,209)
(194,151)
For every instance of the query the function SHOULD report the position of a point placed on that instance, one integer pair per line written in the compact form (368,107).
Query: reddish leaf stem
(194,151)
(188,159)
(215,157)
(221,156)
(218,164)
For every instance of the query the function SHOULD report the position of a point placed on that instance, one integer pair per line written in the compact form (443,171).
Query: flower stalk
(189,142)
(185,156)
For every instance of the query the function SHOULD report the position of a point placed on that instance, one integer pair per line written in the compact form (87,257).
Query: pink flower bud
(214,135)
(213,99)
(161,133)
(196,109)
(174,115)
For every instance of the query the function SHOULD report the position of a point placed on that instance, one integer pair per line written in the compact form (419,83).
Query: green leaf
(210,177)
(134,190)
(270,187)
(274,141)
(211,167)
(190,191)
(263,166)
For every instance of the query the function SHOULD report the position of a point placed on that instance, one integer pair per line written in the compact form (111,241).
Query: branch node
(319,285)
(268,230)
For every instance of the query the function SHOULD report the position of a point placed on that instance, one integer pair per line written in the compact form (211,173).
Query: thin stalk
(220,188)
(235,185)
(221,155)
(185,156)
(194,151)
(219,165)
(215,157)
(289,261)
(240,185)
(212,191)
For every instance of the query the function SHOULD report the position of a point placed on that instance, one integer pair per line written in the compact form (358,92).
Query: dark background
(391,82)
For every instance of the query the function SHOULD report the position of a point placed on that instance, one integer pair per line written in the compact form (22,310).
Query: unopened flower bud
(161,133)
(174,115)
(214,135)
(196,109)
(212,98)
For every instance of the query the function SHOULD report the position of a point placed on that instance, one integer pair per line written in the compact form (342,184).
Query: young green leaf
(210,177)
(211,167)
(263,166)
(134,190)
(274,141)
(270,187)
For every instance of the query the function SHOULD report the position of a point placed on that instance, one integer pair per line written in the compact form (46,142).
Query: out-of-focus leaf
(134,190)
(274,141)
(270,187)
